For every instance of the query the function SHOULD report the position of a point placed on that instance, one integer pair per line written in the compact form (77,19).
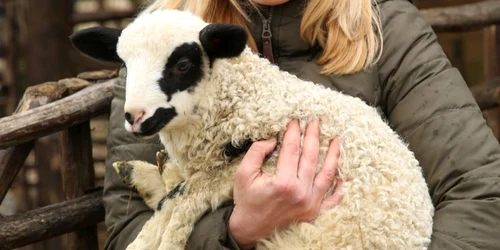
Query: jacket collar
(285,28)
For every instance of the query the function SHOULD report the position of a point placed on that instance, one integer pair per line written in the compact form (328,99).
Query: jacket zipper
(267,44)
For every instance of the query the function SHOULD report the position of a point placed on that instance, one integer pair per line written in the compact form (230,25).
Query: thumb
(250,166)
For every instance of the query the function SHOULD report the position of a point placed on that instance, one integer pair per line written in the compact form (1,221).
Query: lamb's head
(168,55)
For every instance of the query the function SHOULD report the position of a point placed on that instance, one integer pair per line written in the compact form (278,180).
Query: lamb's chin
(148,134)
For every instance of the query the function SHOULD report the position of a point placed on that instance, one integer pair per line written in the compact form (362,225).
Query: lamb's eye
(183,64)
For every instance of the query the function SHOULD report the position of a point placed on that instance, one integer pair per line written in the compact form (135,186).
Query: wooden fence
(66,107)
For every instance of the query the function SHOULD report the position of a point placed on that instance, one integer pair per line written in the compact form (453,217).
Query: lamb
(208,96)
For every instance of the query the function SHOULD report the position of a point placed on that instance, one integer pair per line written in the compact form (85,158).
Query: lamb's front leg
(151,182)
(201,193)
(145,178)
(149,238)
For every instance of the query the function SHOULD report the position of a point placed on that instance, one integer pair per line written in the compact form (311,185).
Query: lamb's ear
(223,40)
(98,42)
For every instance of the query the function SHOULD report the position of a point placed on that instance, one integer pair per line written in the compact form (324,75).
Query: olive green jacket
(423,98)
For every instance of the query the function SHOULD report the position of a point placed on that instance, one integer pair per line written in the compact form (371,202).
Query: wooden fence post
(37,225)
(492,73)
(78,176)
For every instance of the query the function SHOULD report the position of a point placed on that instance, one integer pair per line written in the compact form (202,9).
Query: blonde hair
(349,31)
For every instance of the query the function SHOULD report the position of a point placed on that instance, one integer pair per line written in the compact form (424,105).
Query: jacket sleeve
(431,107)
(126,213)
(212,232)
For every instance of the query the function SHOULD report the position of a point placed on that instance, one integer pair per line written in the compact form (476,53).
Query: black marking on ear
(98,43)
(220,40)
(155,123)
(174,78)
(232,152)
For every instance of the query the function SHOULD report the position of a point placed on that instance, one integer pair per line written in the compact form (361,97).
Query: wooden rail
(13,158)
(66,107)
(463,17)
(23,229)
(31,124)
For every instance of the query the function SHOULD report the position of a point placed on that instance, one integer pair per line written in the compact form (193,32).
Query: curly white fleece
(386,203)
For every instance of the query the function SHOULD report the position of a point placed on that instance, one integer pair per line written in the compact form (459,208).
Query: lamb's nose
(131,118)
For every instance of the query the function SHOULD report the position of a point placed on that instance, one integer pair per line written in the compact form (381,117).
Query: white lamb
(207,95)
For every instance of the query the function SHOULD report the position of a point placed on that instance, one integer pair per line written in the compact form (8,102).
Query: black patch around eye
(173,80)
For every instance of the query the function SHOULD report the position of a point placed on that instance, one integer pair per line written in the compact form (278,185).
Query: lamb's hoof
(161,159)
(124,170)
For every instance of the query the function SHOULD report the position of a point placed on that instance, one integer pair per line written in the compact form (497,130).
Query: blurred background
(34,48)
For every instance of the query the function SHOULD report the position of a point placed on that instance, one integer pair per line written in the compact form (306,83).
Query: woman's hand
(264,203)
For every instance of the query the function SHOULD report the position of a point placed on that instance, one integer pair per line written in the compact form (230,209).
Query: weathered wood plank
(76,160)
(491,52)
(81,106)
(78,175)
(100,75)
(463,17)
(33,226)
(12,159)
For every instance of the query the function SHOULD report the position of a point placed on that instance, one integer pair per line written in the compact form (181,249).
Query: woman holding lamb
(380,51)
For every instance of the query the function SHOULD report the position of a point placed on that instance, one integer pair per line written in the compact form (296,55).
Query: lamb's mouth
(155,123)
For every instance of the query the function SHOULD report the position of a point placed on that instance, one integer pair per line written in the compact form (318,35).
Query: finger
(324,179)
(310,152)
(251,164)
(334,199)
(288,159)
